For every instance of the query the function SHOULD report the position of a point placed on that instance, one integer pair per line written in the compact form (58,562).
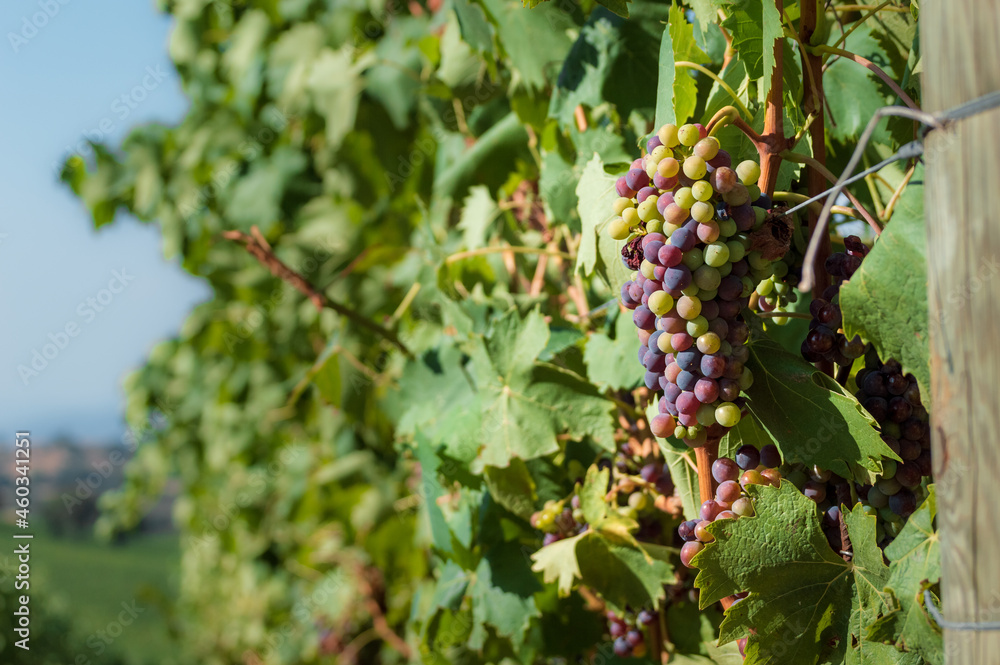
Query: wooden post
(960,48)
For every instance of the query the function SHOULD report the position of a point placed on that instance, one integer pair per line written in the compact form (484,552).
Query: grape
(701,532)
(622,648)
(815,491)
(686,530)
(645,618)
(903,503)
(770,457)
(743,507)
(694,167)
(747,457)
(772,476)
(689,550)
(643,318)
(688,135)
(748,172)
(636,179)
(728,415)
(617,627)
(728,491)
(751,477)
(633,637)
(662,426)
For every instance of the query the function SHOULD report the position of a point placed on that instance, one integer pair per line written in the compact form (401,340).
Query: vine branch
(872,67)
(256,244)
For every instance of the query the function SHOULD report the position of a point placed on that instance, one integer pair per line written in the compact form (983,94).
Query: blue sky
(66,80)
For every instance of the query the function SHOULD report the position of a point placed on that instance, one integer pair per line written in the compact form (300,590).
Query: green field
(88,581)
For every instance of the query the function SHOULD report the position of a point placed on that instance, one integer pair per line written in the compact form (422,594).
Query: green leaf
(685,88)
(611,362)
(598,514)
(706,11)
(476,29)
(802,595)
(557,563)
(886,300)
(624,575)
(598,252)
(915,564)
(619,7)
(513,488)
(479,211)
(501,590)
(522,404)
(665,82)
(754,26)
(812,419)
(531,40)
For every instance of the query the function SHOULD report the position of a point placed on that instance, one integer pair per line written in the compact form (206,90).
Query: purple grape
(713,366)
(650,472)
(643,318)
(636,179)
(623,189)
(652,380)
(688,360)
(686,530)
(653,143)
(679,277)
(744,216)
(770,457)
(706,390)
(645,193)
(622,647)
(729,390)
(633,637)
(687,403)
(669,256)
(724,469)
(747,457)
(684,238)
(688,381)
(652,251)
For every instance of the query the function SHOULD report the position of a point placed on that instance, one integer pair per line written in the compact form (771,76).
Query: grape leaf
(677,90)
(501,590)
(623,574)
(598,252)
(619,7)
(531,40)
(476,29)
(521,404)
(479,211)
(811,418)
(685,87)
(915,563)
(754,26)
(706,11)
(598,513)
(513,488)
(612,363)
(803,597)
(886,300)
(557,563)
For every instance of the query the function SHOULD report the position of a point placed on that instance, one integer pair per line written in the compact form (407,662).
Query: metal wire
(955,625)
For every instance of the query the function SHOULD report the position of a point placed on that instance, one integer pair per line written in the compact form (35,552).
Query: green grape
(647,209)
(736,250)
(618,229)
(688,135)
(638,500)
(877,498)
(708,278)
(660,302)
(765,287)
(694,258)
(649,166)
(647,268)
(707,343)
(757,261)
(748,172)
(684,198)
(659,152)
(691,290)
(631,217)
(706,415)
(728,414)
(753,190)
(781,288)
(697,326)
(717,254)
(889,468)
(702,190)
(654,226)
(709,294)
(695,167)
(727,228)
(702,212)
(746,378)
(680,432)
(663,342)
(759,216)
(779,320)
(621,203)
(668,135)
(779,269)
(693,431)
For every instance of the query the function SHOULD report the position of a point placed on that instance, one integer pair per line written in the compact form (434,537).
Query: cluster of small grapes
(626,631)
(774,293)
(689,214)
(750,467)
(826,340)
(893,399)
(559,521)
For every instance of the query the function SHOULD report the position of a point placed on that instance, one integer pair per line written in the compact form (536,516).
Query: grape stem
(891,205)
(256,244)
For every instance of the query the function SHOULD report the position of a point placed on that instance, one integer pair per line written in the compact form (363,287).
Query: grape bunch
(893,399)
(750,467)
(687,216)
(826,339)
(559,521)
(626,631)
